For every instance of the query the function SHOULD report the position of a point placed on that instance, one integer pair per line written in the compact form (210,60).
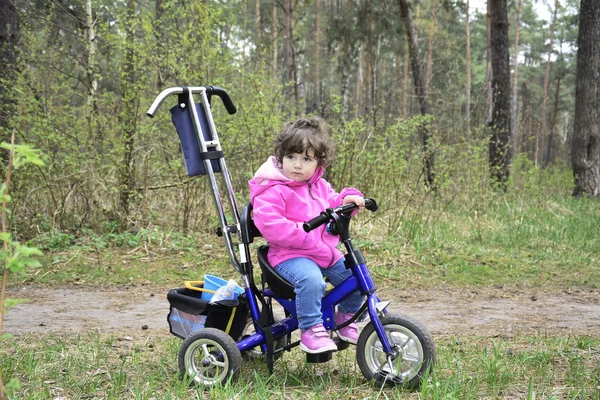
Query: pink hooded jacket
(282,205)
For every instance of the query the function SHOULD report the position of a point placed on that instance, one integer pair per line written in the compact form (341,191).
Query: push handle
(325,216)
(211,90)
(219,91)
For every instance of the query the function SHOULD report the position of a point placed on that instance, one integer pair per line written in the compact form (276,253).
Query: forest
(82,74)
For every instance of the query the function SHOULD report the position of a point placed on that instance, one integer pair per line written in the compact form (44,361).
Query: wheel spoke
(205,350)
(219,363)
(411,358)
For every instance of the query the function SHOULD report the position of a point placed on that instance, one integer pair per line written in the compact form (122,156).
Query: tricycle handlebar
(326,215)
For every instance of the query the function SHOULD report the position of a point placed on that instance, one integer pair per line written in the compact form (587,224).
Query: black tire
(256,353)
(414,348)
(209,357)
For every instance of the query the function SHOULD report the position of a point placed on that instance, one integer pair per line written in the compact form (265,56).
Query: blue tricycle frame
(391,349)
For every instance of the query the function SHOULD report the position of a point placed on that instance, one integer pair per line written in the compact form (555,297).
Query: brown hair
(303,135)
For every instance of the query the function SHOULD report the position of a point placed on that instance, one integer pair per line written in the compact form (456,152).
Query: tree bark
(515,82)
(488,69)
(9,33)
(274,42)
(499,146)
(128,117)
(549,147)
(289,56)
(406,83)
(368,56)
(586,132)
(547,82)
(91,77)
(258,26)
(431,39)
(468,72)
(158,35)
(419,89)
(317,75)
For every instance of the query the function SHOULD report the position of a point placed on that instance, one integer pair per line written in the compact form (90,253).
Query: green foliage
(16,257)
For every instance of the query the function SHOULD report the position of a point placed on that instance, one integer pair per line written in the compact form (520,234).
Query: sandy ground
(496,311)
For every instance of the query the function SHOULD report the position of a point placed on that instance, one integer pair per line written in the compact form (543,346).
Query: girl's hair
(303,135)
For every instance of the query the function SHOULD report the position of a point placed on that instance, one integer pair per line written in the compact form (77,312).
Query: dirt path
(489,312)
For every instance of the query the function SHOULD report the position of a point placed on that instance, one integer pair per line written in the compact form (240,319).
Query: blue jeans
(307,278)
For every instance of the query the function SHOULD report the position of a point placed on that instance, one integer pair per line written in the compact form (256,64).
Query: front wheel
(209,357)
(413,352)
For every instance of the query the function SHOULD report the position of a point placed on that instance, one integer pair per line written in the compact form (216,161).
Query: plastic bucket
(213,283)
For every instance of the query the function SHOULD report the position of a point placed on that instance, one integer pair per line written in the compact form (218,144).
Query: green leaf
(24,154)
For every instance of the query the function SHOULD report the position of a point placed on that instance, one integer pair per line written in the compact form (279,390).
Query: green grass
(552,244)
(548,242)
(101,366)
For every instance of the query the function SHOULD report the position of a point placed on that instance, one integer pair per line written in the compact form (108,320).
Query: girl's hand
(352,198)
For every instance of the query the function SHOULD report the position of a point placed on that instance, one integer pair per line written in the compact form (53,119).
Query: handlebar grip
(316,222)
(371,205)
(219,91)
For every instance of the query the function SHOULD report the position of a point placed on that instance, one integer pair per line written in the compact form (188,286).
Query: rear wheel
(413,352)
(209,357)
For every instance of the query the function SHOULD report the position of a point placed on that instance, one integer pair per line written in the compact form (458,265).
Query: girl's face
(300,167)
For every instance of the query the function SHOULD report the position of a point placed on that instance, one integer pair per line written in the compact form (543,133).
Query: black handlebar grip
(219,91)
(316,222)
(371,205)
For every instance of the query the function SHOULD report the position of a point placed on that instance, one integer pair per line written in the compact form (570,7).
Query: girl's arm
(269,211)
(337,199)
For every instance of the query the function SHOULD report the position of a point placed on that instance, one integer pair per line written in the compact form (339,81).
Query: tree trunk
(317,75)
(586,132)
(499,147)
(488,70)
(547,81)
(514,105)
(406,83)
(549,150)
(274,42)
(468,84)
(289,57)
(524,129)
(348,53)
(91,38)
(430,47)
(9,32)
(91,75)
(368,53)
(258,27)
(419,89)
(158,35)
(128,117)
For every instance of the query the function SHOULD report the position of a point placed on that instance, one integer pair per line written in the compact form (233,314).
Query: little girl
(286,191)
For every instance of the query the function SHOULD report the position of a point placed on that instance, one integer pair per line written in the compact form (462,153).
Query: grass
(550,243)
(101,366)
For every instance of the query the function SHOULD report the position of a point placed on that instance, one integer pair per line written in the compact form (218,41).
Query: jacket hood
(271,174)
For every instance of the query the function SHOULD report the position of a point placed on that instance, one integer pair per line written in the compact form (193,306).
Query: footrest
(319,357)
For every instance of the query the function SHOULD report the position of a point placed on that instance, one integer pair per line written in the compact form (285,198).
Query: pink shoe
(349,333)
(316,340)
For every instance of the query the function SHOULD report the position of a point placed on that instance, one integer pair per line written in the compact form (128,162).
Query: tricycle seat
(277,284)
